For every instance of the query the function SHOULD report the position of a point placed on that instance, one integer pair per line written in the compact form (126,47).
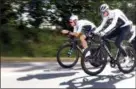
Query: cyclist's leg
(85,32)
(119,40)
(110,36)
(84,44)
(83,41)
(134,43)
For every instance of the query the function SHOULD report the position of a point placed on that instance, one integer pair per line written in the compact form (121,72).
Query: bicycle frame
(74,43)
(113,60)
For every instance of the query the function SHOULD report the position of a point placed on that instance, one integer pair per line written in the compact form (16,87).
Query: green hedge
(47,45)
(23,44)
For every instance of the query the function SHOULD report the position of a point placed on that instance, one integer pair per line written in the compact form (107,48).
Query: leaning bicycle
(70,52)
(100,57)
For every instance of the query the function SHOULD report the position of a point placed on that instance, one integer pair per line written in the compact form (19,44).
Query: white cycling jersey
(117,19)
(81,23)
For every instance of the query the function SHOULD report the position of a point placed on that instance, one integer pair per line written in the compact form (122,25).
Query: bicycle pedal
(113,65)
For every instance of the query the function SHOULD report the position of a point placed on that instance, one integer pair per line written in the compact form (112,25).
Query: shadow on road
(45,76)
(100,81)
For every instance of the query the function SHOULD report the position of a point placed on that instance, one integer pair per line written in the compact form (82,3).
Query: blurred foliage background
(32,27)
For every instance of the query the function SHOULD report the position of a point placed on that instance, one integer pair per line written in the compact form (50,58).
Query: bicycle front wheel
(127,65)
(67,56)
(96,57)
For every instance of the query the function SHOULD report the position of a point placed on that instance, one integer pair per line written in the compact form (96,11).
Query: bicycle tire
(60,61)
(103,64)
(132,51)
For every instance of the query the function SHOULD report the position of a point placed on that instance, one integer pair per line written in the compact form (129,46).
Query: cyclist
(119,26)
(80,29)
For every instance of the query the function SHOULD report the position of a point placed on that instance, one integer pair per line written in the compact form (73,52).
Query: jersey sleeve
(102,25)
(113,24)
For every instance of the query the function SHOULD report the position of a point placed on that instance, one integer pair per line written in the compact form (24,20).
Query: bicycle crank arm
(113,63)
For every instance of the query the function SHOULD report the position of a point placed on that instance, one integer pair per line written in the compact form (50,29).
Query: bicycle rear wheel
(87,62)
(127,65)
(67,57)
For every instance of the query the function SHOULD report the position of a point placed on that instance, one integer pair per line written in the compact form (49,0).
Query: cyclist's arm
(102,25)
(75,34)
(77,31)
(64,31)
(112,25)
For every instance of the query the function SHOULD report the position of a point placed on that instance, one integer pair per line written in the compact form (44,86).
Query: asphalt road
(51,75)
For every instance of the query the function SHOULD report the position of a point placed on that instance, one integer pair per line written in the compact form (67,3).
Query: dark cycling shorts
(87,30)
(120,34)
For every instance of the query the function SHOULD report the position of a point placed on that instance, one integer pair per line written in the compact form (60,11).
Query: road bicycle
(100,57)
(70,52)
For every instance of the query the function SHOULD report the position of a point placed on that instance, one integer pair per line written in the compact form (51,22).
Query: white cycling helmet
(74,17)
(104,7)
